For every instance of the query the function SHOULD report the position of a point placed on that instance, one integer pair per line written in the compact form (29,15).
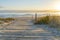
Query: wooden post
(35,17)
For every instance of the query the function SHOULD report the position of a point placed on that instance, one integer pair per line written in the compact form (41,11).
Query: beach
(24,29)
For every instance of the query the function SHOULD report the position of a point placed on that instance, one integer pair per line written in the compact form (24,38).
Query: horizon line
(29,10)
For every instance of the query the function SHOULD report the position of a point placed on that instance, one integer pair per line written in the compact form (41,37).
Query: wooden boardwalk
(23,29)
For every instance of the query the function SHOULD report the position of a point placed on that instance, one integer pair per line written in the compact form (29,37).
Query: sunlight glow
(57,6)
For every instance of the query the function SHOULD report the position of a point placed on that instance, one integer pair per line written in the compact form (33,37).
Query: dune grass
(42,20)
(2,20)
(52,21)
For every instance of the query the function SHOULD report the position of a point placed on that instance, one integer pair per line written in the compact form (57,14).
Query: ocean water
(26,14)
(16,14)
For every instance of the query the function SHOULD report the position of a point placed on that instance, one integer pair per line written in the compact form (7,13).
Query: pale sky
(28,4)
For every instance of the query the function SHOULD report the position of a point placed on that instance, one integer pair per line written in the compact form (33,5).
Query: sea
(5,15)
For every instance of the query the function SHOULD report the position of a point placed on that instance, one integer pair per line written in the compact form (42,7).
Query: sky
(28,4)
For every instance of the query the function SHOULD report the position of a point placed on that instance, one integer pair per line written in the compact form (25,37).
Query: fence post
(35,17)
